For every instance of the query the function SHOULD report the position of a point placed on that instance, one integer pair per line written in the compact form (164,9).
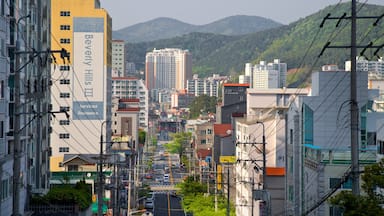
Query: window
(64,82)
(1,129)
(2,89)
(73,167)
(64,136)
(64,122)
(203,142)
(202,132)
(64,95)
(64,68)
(64,149)
(209,131)
(335,182)
(290,193)
(64,108)
(380,145)
(65,27)
(65,40)
(65,13)
(291,136)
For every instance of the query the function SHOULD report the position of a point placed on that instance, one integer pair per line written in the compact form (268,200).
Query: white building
(207,86)
(318,141)
(265,112)
(17,35)
(118,58)
(265,75)
(131,87)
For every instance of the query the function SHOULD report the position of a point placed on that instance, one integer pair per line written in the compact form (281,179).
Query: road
(165,201)
(167,204)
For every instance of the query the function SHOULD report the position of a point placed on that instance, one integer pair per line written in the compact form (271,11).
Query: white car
(148,204)
(166,177)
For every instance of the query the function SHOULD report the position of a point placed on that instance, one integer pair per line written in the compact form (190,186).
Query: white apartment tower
(118,58)
(131,87)
(265,75)
(168,69)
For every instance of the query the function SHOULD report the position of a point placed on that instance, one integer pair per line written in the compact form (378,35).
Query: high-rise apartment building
(83,88)
(265,75)
(131,87)
(207,86)
(24,103)
(118,58)
(168,69)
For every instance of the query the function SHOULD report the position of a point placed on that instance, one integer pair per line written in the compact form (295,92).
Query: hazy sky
(129,12)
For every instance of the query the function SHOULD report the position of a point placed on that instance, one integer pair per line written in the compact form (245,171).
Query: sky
(125,13)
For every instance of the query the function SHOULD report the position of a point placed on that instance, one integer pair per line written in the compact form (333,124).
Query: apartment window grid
(65,27)
(64,136)
(64,95)
(65,13)
(64,149)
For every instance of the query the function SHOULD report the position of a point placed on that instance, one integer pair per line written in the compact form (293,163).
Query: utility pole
(354,108)
(228,204)
(353,87)
(100,182)
(16,126)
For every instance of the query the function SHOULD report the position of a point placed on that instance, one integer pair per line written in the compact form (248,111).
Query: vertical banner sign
(88,74)
(219,177)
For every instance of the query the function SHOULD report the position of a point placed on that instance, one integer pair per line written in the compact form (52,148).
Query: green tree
(203,103)
(368,204)
(178,143)
(142,135)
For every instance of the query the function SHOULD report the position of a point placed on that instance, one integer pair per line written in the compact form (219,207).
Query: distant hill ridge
(297,44)
(162,28)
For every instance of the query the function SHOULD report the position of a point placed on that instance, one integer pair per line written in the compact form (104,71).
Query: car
(166,177)
(148,204)
(148,176)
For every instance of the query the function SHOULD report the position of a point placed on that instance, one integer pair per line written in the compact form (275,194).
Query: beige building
(168,69)
(82,88)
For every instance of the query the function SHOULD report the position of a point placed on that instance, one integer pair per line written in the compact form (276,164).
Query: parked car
(148,204)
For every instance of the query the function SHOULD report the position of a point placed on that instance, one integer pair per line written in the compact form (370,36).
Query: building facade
(82,88)
(265,75)
(130,88)
(118,58)
(168,69)
(24,103)
(207,86)
(318,141)
(265,116)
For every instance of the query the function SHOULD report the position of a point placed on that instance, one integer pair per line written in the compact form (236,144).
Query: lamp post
(16,126)
(264,155)
(100,182)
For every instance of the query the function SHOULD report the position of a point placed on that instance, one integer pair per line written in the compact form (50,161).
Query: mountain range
(299,44)
(163,28)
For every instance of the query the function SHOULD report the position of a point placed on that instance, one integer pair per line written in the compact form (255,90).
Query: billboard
(89,77)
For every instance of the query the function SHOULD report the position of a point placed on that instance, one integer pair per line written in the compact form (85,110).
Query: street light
(16,126)
(100,183)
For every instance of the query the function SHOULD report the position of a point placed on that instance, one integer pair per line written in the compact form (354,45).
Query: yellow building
(82,86)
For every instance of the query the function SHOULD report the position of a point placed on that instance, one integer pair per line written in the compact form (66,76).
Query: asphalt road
(167,204)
